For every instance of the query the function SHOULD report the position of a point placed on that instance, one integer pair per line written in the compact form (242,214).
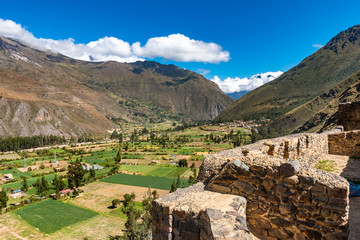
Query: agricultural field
(144,181)
(149,158)
(50,216)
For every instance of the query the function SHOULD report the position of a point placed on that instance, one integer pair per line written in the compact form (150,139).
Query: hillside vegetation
(300,93)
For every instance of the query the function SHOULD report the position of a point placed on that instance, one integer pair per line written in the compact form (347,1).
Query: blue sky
(260,36)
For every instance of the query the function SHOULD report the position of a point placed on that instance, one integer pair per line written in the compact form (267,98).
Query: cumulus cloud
(180,48)
(175,47)
(231,85)
(318,45)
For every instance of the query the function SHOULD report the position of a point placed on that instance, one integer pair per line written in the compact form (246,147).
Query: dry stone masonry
(348,116)
(195,213)
(272,184)
(345,143)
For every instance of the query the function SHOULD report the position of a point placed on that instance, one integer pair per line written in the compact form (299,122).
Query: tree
(59,184)
(114,135)
(118,157)
(3,199)
(24,186)
(92,173)
(175,184)
(255,136)
(45,184)
(183,163)
(76,174)
(39,187)
(115,203)
(135,229)
(128,198)
(193,178)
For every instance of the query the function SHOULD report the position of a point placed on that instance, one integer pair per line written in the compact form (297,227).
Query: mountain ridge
(316,74)
(82,97)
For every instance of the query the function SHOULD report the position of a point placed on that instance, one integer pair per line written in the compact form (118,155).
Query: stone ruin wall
(345,143)
(195,213)
(348,116)
(286,197)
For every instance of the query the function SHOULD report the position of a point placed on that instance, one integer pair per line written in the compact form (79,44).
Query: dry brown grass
(118,190)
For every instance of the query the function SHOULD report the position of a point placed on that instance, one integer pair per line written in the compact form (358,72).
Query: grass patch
(326,165)
(50,216)
(144,181)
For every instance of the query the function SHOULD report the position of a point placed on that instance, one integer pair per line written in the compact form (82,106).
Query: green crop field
(16,173)
(144,181)
(49,216)
(30,181)
(155,171)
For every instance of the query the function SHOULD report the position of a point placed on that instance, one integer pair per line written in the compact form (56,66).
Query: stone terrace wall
(349,116)
(288,201)
(286,197)
(345,143)
(307,148)
(194,213)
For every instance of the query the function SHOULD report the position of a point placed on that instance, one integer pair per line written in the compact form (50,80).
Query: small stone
(241,227)
(235,205)
(215,214)
(227,216)
(233,213)
(292,180)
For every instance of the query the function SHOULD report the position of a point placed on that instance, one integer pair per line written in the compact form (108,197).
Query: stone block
(307,181)
(338,192)
(280,222)
(290,168)
(263,223)
(342,202)
(243,187)
(292,180)
(219,188)
(189,235)
(279,233)
(188,226)
(215,214)
(285,209)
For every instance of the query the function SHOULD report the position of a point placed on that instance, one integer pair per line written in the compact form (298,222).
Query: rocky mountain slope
(319,114)
(48,93)
(315,75)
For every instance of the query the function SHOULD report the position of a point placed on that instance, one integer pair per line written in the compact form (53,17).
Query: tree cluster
(183,163)
(19,143)
(139,221)
(42,186)
(75,174)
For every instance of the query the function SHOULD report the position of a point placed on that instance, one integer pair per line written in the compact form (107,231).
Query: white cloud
(202,71)
(318,45)
(180,48)
(230,85)
(175,47)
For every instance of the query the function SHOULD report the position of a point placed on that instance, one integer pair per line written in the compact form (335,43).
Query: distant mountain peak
(344,38)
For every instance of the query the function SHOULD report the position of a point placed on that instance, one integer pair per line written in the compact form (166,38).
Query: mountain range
(306,97)
(49,93)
